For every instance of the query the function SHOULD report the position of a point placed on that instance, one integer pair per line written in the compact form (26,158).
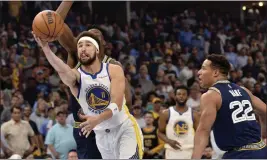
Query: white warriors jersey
(180,128)
(94,96)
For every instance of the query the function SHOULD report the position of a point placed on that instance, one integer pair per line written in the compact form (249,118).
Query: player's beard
(88,61)
(182,104)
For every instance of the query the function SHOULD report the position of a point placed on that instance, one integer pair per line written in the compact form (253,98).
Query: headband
(86,38)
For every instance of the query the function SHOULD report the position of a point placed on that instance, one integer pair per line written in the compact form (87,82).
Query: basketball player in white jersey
(177,126)
(99,88)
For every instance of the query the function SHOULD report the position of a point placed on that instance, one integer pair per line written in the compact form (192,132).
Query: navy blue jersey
(235,124)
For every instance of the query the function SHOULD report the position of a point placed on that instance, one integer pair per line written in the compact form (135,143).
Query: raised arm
(208,106)
(67,75)
(67,39)
(64,8)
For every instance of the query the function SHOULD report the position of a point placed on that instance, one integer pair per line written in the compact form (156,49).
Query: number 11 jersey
(235,125)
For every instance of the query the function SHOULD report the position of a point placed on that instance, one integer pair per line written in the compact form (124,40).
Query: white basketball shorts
(122,142)
(178,154)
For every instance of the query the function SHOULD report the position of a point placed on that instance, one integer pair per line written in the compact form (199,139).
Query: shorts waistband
(252,146)
(76,124)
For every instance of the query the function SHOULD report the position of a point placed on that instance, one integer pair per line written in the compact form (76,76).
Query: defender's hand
(89,124)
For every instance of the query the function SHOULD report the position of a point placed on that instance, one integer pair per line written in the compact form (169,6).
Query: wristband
(114,108)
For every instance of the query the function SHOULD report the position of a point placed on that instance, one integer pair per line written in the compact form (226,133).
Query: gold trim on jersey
(215,89)
(253,146)
(222,81)
(137,133)
(76,124)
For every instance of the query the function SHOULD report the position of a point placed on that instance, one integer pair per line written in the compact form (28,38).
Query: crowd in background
(157,54)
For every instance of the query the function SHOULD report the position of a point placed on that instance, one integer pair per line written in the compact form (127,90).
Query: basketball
(48,25)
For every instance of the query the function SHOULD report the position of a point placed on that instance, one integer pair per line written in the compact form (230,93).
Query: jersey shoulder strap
(78,65)
(106,59)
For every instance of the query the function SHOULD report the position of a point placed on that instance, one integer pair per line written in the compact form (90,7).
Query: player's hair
(73,150)
(182,87)
(87,34)
(148,112)
(220,62)
(103,32)
(13,108)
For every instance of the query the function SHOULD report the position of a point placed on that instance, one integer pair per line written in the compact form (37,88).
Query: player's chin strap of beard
(182,104)
(93,41)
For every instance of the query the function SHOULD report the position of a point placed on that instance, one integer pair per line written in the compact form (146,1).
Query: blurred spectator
(72,155)
(59,138)
(231,56)
(194,97)
(16,132)
(144,80)
(37,136)
(40,71)
(138,115)
(152,144)
(6,113)
(26,62)
(49,122)
(157,103)
(40,114)
(6,78)
(30,92)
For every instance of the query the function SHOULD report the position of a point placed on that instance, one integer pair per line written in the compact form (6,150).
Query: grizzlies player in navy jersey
(229,110)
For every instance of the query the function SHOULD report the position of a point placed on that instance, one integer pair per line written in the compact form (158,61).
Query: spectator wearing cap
(138,115)
(157,103)
(59,138)
(16,133)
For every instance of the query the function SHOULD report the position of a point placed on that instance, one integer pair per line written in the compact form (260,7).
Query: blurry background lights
(260,4)
(244,8)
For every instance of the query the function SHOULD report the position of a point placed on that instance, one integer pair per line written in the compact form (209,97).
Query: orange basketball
(48,25)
